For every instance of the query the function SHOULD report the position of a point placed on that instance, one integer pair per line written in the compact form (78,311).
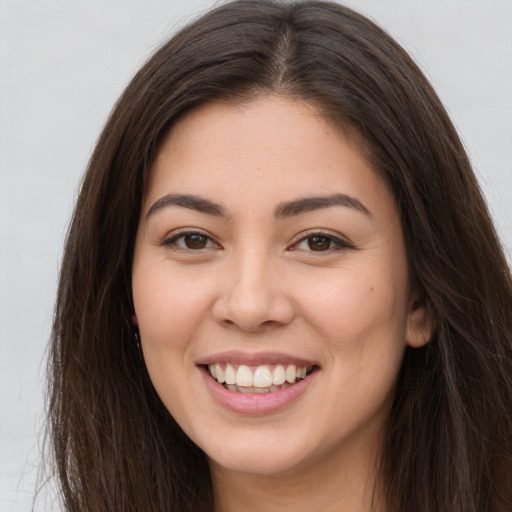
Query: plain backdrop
(63,63)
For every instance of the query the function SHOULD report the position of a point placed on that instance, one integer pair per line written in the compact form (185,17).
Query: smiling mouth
(257,379)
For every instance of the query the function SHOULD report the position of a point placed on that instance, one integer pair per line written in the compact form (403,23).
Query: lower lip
(256,404)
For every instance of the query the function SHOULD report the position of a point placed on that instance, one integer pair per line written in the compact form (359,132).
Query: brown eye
(319,243)
(195,241)
(191,240)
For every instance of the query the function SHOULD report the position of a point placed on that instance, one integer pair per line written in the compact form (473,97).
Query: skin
(257,286)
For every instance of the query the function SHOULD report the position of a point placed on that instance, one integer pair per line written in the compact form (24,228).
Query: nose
(252,295)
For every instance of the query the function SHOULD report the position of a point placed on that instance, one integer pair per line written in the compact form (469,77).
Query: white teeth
(291,373)
(262,377)
(259,379)
(250,390)
(279,375)
(244,376)
(230,375)
(220,373)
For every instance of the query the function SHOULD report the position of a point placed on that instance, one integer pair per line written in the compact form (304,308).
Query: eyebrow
(309,204)
(283,210)
(191,202)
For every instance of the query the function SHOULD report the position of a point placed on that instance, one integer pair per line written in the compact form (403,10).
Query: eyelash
(172,242)
(335,243)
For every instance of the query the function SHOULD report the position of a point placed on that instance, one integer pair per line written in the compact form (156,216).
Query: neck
(332,483)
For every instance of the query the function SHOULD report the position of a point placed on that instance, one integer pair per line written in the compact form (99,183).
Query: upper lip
(255,359)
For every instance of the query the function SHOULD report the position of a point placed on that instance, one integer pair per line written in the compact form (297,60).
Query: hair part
(449,440)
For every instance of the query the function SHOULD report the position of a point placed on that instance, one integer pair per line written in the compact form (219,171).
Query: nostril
(256,327)
(253,313)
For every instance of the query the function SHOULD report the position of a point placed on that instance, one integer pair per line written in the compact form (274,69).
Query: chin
(257,462)
(260,452)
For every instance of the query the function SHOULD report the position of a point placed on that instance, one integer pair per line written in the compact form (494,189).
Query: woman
(281,287)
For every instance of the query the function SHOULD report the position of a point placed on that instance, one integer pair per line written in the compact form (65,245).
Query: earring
(425,339)
(137,338)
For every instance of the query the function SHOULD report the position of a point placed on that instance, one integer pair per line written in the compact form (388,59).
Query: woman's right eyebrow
(191,202)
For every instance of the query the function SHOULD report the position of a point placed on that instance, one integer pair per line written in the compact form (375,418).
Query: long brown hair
(448,445)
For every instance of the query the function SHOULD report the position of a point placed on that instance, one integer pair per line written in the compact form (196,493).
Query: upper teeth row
(260,377)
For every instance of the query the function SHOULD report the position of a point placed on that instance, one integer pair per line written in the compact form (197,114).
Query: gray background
(63,63)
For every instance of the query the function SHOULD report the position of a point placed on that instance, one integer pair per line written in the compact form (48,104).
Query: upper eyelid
(322,232)
(181,232)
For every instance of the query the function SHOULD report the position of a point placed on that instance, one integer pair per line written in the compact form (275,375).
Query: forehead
(265,148)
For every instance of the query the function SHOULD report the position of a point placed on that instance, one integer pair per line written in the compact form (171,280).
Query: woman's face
(268,250)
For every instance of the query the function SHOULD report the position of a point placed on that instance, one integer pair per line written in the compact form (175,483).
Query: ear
(135,320)
(420,323)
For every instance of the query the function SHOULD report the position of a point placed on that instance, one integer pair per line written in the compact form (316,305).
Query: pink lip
(255,404)
(254,359)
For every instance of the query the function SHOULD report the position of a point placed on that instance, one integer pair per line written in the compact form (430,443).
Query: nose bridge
(253,295)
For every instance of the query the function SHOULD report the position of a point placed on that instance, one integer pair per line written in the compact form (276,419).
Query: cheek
(170,308)
(168,305)
(356,307)
(362,318)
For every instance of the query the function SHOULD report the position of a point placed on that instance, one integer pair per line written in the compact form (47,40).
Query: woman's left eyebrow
(309,204)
